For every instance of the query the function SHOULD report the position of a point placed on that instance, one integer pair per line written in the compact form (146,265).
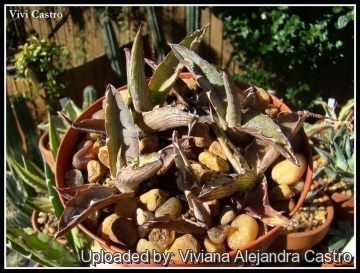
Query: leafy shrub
(281,48)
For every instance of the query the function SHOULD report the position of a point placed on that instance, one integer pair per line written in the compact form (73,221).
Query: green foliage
(45,59)
(280,48)
(339,234)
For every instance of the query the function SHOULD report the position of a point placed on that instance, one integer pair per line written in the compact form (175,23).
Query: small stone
(227,215)
(214,162)
(217,234)
(153,199)
(216,149)
(143,216)
(96,171)
(161,238)
(212,247)
(73,178)
(144,245)
(105,227)
(172,207)
(149,145)
(199,136)
(123,231)
(125,208)
(286,172)
(103,156)
(185,243)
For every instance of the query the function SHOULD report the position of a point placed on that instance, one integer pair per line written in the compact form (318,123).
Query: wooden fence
(80,29)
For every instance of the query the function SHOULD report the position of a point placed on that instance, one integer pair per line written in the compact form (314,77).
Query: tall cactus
(112,49)
(89,96)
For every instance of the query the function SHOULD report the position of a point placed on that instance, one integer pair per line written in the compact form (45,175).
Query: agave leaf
(54,138)
(233,109)
(164,77)
(313,129)
(70,192)
(178,224)
(187,180)
(164,118)
(348,147)
(167,157)
(340,159)
(120,131)
(130,177)
(258,206)
(220,188)
(206,75)
(32,168)
(39,204)
(85,203)
(39,247)
(16,197)
(86,125)
(330,173)
(260,154)
(346,110)
(351,162)
(32,179)
(336,243)
(263,127)
(200,209)
(339,133)
(324,154)
(137,81)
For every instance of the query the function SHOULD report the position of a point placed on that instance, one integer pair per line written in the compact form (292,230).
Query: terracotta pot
(36,226)
(343,205)
(43,146)
(300,242)
(63,164)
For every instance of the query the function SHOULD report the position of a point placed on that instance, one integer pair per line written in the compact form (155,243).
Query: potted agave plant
(333,140)
(181,163)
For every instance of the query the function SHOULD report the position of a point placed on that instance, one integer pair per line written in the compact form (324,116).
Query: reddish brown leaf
(258,206)
(84,203)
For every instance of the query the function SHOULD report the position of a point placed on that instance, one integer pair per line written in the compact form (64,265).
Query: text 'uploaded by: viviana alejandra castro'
(191,257)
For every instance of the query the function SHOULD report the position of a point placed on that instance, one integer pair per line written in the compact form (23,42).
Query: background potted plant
(133,177)
(43,61)
(333,144)
(313,221)
(71,110)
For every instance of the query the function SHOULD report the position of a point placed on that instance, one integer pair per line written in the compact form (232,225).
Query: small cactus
(89,96)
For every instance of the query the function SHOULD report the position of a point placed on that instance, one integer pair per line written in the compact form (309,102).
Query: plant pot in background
(37,227)
(44,148)
(300,242)
(343,205)
(67,149)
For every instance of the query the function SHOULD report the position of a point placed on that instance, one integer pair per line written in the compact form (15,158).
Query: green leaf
(336,243)
(42,204)
(54,138)
(164,75)
(32,179)
(39,247)
(342,21)
(340,159)
(337,9)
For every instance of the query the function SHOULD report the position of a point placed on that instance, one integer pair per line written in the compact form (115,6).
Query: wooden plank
(167,26)
(204,49)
